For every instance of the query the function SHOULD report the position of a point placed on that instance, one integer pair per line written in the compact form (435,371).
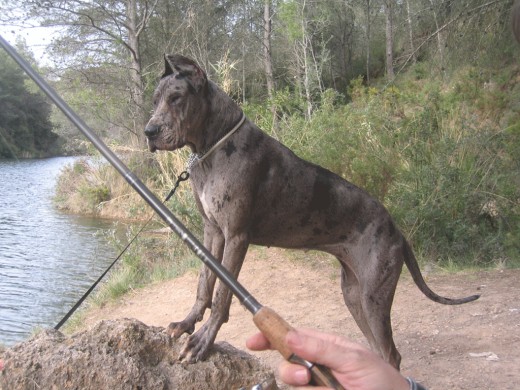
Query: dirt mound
(125,354)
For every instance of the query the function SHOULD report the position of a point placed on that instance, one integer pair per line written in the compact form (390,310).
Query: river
(48,259)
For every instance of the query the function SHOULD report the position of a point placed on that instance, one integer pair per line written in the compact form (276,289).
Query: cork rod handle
(275,328)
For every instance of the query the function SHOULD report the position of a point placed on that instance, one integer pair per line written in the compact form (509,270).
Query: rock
(490,356)
(125,354)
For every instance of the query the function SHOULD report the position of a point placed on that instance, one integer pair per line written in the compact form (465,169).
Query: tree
(410,30)
(303,26)
(268,60)
(102,34)
(439,34)
(25,126)
(389,15)
(368,26)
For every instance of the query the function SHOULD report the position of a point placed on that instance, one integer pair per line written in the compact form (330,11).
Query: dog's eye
(174,99)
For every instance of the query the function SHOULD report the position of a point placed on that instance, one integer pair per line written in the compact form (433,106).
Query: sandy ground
(472,346)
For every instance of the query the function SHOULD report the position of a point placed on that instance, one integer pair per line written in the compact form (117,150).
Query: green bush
(95,195)
(443,159)
(457,196)
(152,257)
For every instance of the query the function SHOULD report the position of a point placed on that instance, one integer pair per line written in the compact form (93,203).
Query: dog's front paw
(177,329)
(197,346)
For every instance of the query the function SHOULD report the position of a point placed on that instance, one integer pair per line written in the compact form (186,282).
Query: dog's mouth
(156,143)
(151,147)
(151,144)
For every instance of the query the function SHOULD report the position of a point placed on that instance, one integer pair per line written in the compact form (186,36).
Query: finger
(328,351)
(258,342)
(293,374)
(296,376)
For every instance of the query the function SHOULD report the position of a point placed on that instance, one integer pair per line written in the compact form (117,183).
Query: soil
(472,346)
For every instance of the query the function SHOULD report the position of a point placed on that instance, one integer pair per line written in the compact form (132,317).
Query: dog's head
(179,105)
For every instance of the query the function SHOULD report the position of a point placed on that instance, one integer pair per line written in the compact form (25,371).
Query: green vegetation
(152,258)
(157,254)
(424,116)
(442,156)
(25,126)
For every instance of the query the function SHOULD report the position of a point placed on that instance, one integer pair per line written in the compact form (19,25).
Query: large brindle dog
(250,189)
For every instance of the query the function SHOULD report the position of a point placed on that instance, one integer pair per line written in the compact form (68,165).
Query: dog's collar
(196,158)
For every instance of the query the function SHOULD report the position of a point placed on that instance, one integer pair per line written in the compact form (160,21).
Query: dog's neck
(196,158)
(226,118)
(218,114)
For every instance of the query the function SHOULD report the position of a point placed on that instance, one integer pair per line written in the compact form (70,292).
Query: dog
(251,189)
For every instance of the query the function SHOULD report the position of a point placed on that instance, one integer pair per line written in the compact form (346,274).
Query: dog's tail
(413,267)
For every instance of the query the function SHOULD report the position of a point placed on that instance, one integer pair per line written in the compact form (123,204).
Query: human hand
(354,366)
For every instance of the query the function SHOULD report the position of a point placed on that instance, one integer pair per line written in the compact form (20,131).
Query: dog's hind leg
(214,241)
(378,290)
(368,288)
(352,296)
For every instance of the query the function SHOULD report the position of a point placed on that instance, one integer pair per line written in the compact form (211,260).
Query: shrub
(440,158)
(444,158)
(456,195)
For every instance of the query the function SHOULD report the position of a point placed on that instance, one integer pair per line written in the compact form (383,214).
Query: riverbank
(471,346)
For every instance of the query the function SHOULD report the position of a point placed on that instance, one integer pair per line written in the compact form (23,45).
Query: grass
(151,258)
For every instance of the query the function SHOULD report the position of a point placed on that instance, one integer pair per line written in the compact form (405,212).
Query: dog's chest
(214,201)
(205,200)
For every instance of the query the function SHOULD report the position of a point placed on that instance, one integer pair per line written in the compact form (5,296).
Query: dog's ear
(185,67)
(167,67)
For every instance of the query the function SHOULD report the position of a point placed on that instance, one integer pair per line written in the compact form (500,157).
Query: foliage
(439,146)
(444,160)
(82,187)
(108,55)
(458,190)
(151,258)
(442,157)
(25,126)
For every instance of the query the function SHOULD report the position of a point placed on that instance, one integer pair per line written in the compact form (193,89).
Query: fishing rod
(272,325)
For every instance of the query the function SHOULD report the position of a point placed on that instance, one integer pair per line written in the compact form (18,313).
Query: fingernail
(301,376)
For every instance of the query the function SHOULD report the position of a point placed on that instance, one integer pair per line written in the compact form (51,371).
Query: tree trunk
(305,59)
(410,31)
(389,39)
(368,41)
(515,19)
(137,84)
(439,36)
(306,77)
(268,61)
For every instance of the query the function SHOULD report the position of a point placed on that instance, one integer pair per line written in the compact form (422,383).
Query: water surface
(48,259)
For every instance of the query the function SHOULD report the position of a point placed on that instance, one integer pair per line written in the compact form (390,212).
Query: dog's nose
(151,130)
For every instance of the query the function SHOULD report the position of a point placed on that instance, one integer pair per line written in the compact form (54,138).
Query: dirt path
(473,346)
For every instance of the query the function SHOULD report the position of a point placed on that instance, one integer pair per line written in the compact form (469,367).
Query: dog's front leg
(198,344)
(214,241)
